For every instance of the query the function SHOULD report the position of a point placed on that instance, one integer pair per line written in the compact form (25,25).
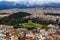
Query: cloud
(34,0)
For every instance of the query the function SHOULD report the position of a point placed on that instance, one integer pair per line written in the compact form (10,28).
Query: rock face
(4,15)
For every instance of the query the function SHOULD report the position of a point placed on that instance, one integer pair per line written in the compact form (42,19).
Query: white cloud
(34,0)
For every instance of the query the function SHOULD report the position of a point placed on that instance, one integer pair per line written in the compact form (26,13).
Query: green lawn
(32,25)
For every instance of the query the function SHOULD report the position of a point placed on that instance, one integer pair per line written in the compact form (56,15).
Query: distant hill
(11,19)
(18,15)
(11,5)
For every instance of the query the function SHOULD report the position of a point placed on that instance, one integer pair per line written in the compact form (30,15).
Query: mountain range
(11,5)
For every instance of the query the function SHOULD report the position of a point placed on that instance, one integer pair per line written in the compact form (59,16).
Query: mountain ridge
(11,5)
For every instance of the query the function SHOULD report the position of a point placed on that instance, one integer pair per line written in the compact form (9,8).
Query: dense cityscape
(25,27)
(29,20)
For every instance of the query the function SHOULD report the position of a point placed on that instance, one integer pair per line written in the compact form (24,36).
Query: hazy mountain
(10,5)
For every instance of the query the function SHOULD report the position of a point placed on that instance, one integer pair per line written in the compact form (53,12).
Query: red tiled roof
(13,31)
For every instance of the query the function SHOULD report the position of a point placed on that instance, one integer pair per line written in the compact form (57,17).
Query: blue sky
(34,0)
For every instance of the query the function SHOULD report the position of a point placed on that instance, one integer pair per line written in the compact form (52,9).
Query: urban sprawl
(50,31)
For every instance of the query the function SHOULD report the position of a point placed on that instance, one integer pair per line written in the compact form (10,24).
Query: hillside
(11,19)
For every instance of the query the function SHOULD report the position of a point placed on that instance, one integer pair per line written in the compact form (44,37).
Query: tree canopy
(13,18)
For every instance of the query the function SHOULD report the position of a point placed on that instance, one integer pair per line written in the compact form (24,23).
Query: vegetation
(19,15)
(54,14)
(30,25)
(3,13)
(14,18)
(17,18)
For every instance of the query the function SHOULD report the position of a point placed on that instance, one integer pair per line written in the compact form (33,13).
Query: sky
(34,0)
